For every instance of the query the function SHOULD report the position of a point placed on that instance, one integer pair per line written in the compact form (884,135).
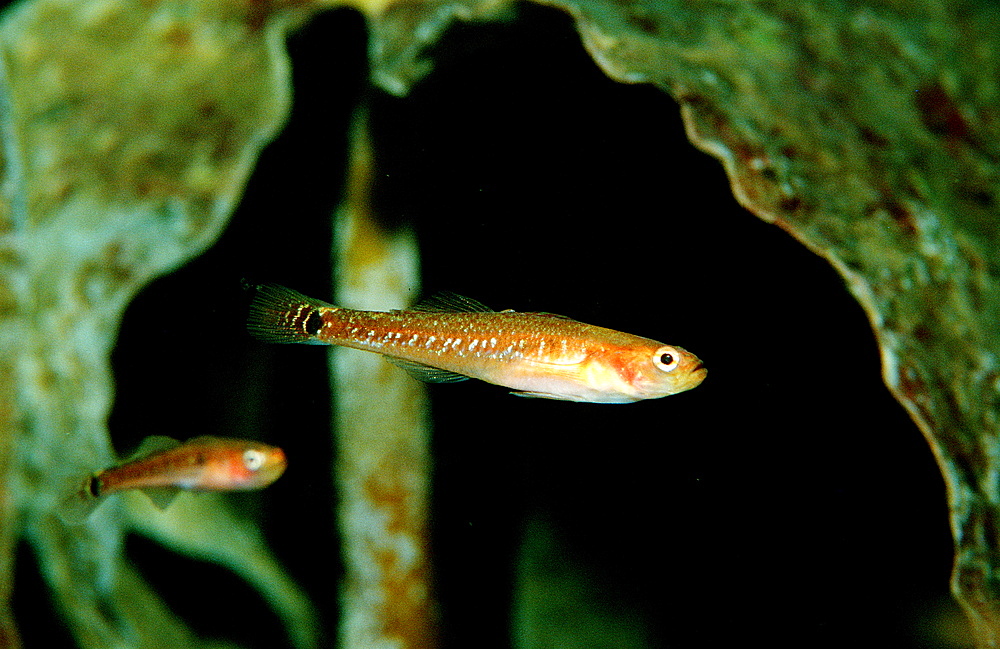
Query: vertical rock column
(382,470)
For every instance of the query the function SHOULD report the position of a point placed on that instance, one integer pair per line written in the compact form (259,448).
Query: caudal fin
(79,502)
(281,315)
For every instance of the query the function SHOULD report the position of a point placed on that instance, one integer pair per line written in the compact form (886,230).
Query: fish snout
(278,457)
(695,374)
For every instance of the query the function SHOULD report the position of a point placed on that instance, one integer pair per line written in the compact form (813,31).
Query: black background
(788,500)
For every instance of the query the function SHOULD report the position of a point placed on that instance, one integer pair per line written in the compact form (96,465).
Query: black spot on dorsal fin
(448,302)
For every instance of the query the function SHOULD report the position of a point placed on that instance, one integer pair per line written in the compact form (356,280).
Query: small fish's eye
(666,358)
(253,459)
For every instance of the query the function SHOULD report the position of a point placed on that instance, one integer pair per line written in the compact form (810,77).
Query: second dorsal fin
(153,444)
(550,315)
(448,302)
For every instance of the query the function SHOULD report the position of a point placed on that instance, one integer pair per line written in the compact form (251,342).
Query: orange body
(200,464)
(536,354)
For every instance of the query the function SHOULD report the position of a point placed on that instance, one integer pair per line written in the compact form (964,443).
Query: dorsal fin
(549,315)
(448,302)
(209,439)
(153,444)
(426,373)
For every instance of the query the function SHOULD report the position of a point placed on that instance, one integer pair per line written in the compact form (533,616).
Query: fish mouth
(698,374)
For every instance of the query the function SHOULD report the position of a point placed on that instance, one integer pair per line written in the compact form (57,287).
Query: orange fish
(162,466)
(452,338)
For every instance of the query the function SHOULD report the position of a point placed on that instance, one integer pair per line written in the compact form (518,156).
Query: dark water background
(788,500)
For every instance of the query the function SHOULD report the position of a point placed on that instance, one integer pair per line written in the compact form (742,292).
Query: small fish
(451,338)
(162,466)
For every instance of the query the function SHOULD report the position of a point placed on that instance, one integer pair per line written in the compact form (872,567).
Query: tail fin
(281,315)
(81,500)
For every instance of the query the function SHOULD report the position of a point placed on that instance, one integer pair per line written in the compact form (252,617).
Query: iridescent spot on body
(535,354)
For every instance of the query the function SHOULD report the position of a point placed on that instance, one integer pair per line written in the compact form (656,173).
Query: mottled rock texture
(869,131)
(866,130)
(128,130)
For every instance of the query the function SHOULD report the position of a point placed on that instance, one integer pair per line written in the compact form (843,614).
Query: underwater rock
(401,31)
(128,131)
(382,435)
(869,132)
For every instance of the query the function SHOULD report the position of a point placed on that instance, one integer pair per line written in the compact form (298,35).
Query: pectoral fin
(161,496)
(426,373)
(545,395)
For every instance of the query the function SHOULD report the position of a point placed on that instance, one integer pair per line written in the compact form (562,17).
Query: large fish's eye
(666,358)
(253,459)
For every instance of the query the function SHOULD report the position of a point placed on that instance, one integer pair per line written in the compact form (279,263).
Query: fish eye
(666,358)
(253,459)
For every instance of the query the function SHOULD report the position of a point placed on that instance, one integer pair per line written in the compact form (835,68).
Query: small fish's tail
(281,315)
(80,501)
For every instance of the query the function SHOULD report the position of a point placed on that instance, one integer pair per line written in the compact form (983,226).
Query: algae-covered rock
(868,131)
(128,131)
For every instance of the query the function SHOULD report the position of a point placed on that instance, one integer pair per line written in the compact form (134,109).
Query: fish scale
(489,336)
(162,465)
(536,354)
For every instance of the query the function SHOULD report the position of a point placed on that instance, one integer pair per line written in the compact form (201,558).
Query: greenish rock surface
(868,131)
(127,132)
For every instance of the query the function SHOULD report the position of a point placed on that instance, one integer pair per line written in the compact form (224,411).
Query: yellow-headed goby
(162,466)
(452,338)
